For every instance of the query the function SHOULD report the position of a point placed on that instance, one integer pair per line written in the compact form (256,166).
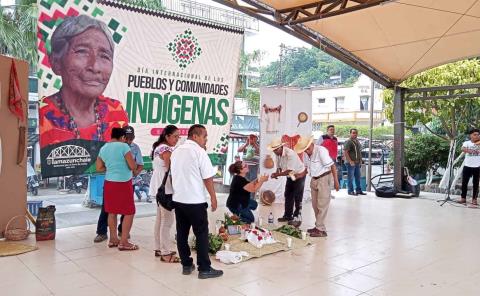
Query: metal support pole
(372,99)
(399,136)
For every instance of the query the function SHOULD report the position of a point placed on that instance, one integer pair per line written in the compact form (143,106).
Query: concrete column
(399,136)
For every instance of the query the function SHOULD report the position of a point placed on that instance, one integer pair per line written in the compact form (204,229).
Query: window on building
(364,103)
(321,100)
(339,103)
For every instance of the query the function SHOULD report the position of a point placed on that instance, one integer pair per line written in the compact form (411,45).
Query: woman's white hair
(71,27)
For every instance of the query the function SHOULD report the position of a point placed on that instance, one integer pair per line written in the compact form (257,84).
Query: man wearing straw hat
(289,165)
(319,165)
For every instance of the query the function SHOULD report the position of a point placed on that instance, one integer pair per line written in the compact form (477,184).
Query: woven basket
(17,234)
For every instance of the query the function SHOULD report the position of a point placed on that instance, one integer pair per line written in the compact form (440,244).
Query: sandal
(113,244)
(129,247)
(158,253)
(171,258)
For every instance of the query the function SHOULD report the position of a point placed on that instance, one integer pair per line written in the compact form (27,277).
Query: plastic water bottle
(270,218)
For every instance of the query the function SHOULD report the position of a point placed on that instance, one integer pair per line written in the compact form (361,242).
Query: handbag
(163,199)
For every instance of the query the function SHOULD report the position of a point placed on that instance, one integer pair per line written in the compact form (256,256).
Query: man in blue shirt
(138,184)
(102,224)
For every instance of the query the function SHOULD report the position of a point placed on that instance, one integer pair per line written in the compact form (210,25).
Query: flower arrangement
(259,237)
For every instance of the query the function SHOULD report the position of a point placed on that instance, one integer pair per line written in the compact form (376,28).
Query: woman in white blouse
(161,152)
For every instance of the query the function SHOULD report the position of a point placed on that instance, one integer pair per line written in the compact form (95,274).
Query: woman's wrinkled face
(87,66)
(172,139)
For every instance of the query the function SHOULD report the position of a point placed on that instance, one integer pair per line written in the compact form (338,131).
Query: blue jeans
(252,175)
(354,172)
(138,191)
(245,214)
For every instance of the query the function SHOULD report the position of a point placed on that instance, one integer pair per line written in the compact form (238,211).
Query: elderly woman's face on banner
(87,65)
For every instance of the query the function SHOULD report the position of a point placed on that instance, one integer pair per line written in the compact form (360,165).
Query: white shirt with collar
(190,166)
(290,161)
(319,163)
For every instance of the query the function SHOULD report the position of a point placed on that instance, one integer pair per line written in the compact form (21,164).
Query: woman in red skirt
(117,161)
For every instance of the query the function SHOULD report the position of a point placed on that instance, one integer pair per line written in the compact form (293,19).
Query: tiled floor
(375,247)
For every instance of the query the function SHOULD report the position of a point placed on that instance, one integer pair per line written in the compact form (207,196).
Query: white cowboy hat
(275,144)
(302,144)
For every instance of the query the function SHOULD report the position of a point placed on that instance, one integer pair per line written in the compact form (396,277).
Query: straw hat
(302,144)
(275,144)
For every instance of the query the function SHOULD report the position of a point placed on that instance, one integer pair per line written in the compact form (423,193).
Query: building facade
(347,105)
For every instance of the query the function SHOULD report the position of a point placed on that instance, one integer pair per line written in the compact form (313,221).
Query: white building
(346,105)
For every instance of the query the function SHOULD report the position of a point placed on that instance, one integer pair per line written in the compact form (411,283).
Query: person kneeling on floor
(239,201)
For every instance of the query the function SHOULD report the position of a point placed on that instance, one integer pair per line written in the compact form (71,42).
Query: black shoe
(188,269)
(361,193)
(212,273)
(284,219)
(100,238)
(352,193)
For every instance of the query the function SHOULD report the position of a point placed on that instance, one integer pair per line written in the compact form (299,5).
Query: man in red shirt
(330,142)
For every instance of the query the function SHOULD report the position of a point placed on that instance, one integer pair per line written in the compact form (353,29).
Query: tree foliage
(247,65)
(444,118)
(424,152)
(18,31)
(379,133)
(304,67)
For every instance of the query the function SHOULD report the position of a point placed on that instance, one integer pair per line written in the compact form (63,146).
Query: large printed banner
(106,64)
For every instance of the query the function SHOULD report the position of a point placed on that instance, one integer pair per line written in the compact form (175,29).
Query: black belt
(322,175)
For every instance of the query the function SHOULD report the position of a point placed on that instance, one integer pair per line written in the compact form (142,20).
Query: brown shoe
(462,201)
(295,223)
(318,233)
(474,202)
(312,230)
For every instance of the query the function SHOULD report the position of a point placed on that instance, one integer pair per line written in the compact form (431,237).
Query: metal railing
(211,13)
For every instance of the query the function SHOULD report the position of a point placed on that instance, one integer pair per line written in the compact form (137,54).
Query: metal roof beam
(309,37)
(300,14)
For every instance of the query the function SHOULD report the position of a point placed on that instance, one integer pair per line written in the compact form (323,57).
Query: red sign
(158,131)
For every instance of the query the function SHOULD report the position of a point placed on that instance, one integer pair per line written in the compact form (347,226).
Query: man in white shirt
(319,166)
(471,166)
(290,166)
(192,171)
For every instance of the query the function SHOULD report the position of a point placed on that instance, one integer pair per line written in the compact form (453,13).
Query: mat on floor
(238,245)
(13,248)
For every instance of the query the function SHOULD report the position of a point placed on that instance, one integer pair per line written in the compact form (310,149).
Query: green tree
(443,118)
(304,67)
(425,152)
(446,119)
(247,65)
(18,27)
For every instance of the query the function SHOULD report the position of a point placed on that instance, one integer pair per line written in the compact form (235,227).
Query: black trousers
(193,216)
(293,196)
(102,224)
(467,173)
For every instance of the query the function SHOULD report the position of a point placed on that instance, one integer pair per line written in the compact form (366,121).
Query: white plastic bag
(229,257)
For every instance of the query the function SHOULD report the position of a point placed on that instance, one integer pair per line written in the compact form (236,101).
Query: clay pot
(268,162)
(267,197)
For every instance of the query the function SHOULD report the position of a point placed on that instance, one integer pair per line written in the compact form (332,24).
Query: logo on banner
(184,49)
(68,156)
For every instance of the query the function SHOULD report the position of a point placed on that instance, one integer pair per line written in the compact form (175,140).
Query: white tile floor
(375,247)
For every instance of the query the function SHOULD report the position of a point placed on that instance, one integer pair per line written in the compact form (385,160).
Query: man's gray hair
(73,26)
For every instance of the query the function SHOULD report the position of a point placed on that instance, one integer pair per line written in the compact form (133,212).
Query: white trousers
(163,226)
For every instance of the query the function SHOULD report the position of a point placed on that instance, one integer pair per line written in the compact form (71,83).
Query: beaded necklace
(71,120)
